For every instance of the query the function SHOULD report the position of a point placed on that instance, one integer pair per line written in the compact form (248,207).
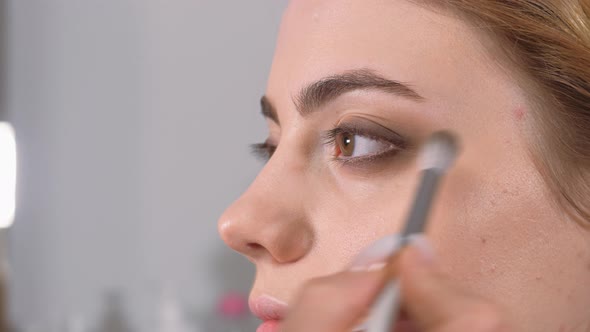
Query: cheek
(477,221)
(348,213)
(505,241)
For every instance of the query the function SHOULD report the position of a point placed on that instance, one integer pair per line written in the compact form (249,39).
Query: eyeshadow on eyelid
(374,129)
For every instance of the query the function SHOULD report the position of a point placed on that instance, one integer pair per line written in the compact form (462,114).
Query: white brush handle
(437,156)
(385,310)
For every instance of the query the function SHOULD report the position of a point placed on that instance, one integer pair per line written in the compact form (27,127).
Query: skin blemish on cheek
(519,113)
(493,269)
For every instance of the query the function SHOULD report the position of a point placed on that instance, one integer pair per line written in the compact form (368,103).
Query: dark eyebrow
(268,110)
(327,89)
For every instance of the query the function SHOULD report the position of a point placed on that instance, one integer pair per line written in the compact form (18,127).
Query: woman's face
(355,87)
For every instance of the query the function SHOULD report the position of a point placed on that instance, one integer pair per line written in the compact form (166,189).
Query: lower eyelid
(368,163)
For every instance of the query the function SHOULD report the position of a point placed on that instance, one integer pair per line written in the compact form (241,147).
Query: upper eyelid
(330,135)
(362,133)
(368,128)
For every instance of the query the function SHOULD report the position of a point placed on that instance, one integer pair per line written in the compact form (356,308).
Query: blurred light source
(7,174)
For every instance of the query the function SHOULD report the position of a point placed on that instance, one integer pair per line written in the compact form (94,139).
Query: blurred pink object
(233,305)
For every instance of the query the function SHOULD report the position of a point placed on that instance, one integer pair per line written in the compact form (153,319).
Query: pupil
(346,144)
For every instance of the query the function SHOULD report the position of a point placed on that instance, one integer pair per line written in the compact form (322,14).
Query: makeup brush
(436,157)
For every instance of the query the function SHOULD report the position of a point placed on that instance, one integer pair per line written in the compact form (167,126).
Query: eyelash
(264,151)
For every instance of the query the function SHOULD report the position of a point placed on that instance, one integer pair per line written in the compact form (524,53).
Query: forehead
(398,38)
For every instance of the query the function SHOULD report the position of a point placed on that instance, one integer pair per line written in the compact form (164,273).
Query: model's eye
(348,145)
(357,140)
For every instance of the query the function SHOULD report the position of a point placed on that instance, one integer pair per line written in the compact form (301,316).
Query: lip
(269,326)
(272,311)
(268,308)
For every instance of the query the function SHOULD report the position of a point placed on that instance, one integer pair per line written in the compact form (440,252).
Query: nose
(268,222)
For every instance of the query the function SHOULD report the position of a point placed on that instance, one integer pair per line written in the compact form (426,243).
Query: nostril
(254,246)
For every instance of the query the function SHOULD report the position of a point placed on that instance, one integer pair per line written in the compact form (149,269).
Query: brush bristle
(439,152)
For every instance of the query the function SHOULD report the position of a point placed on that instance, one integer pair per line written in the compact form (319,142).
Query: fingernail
(368,268)
(374,256)
(424,248)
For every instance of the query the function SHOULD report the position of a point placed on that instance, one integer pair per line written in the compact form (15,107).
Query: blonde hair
(549,42)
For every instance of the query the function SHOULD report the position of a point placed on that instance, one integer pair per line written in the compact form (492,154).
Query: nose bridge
(269,221)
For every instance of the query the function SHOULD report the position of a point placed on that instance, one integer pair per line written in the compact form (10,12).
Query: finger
(434,302)
(333,304)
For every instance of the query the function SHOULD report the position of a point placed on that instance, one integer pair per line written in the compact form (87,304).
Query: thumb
(433,301)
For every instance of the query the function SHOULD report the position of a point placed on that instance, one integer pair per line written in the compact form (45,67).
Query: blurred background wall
(133,120)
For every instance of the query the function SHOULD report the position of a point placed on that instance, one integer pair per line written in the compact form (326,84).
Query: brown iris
(345,143)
